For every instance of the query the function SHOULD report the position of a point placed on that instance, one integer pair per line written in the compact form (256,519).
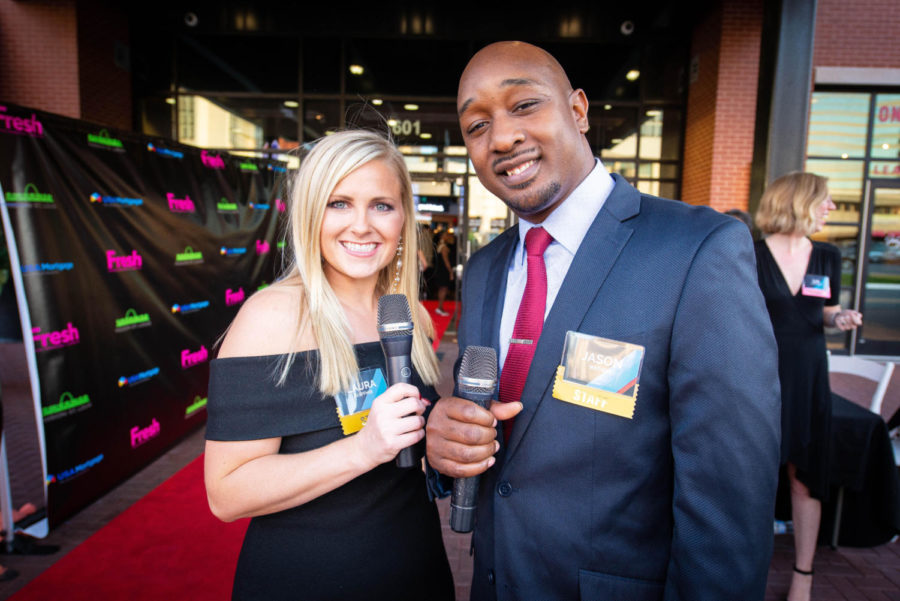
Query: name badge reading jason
(816,285)
(599,373)
(353,405)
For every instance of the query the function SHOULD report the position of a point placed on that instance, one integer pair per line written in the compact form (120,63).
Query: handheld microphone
(395,328)
(476,382)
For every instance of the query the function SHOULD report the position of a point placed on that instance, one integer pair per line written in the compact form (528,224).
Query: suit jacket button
(505,489)
(490,576)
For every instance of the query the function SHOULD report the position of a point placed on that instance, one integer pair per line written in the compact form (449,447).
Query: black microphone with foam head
(475,382)
(395,328)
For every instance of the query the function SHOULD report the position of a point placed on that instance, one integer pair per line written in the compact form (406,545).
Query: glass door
(878,284)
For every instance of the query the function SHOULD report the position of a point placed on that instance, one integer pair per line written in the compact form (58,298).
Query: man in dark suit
(664,487)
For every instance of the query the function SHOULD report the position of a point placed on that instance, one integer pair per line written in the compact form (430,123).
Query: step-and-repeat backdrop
(130,256)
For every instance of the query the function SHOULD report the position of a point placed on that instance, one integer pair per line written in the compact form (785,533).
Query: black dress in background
(376,537)
(798,323)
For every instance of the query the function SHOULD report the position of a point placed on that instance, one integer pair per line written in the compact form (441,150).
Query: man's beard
(535,202)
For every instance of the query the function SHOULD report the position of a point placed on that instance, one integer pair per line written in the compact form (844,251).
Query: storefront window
(837,125)
(886,127)
(660,134)
(845,182)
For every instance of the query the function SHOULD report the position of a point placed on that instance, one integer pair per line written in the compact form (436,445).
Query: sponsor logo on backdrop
(259,206)
(247,166)
(138,378)
(174,154)
(262,247)
(234,298)
(197,405)
(276,168)
(280,245)
(190,307)
(119,201)
(279,204)
(231,251)
(20,125)
(180,205)
(224,206)
(47,268)
(102,139)
(188,257)
(213,161)
(263,285)
(132,320)
(74,471)
(141,435)
(67,405)
(47,341)
(131,262)
(29,197)
(190,359)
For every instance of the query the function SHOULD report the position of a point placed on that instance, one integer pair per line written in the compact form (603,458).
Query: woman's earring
(396,283)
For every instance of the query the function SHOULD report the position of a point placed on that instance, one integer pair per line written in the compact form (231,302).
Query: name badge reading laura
(599,373)
(816,285)
(353,405)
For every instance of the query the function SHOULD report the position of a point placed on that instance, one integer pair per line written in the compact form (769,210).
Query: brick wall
(105,86)
(857,33)
(39,55)
(721,108)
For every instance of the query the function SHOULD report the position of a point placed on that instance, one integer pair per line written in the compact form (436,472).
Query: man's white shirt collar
(570,221)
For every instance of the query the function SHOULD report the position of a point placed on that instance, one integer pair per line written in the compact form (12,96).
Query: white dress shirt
(568,224)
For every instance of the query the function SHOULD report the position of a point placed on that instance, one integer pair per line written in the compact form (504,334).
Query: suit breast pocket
(597,586)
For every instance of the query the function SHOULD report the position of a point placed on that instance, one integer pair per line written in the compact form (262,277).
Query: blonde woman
(302,430)
(801,282)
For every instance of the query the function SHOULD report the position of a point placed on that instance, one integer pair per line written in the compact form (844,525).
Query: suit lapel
(493,303)
(597,254)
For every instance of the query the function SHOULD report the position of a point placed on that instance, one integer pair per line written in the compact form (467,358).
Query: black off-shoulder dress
(376,537)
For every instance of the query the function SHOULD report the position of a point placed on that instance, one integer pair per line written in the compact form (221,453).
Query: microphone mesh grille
(478,362)
(394,308)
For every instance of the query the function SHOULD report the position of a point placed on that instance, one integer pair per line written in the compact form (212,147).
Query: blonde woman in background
(332,515)
(801,282)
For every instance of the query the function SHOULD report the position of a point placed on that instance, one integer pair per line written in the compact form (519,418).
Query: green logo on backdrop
(102,138)
(66,402)
(31,194)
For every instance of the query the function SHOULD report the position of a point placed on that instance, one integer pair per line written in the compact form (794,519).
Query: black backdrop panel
(135,255)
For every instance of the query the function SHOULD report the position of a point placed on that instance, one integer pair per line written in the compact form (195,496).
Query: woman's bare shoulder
(266,324)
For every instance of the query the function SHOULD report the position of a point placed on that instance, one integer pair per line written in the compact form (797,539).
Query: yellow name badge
(599,373)
(353,405)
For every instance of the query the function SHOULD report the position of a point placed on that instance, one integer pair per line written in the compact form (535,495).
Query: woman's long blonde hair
(331,160)
(788,205)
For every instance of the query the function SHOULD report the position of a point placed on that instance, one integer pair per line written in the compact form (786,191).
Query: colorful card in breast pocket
(599,373)
(816,285)
(353,405)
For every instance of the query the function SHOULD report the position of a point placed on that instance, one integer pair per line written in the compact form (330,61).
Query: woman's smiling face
(362,224)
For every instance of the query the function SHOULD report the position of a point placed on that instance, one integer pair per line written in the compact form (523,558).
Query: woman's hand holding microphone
(395,422)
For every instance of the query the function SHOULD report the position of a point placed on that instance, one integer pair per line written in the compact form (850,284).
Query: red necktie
(529,322)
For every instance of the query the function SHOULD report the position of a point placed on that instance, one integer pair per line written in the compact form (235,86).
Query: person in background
(443,269)
(295,440)
(638,389)
(801,282)
(743,216)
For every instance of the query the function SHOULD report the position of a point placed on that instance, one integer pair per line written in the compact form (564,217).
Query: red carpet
(166,546)
(440,321)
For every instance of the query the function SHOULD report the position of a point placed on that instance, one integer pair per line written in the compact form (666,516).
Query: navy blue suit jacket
(678,502)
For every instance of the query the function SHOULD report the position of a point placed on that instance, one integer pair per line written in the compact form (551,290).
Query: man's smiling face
(524,127)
